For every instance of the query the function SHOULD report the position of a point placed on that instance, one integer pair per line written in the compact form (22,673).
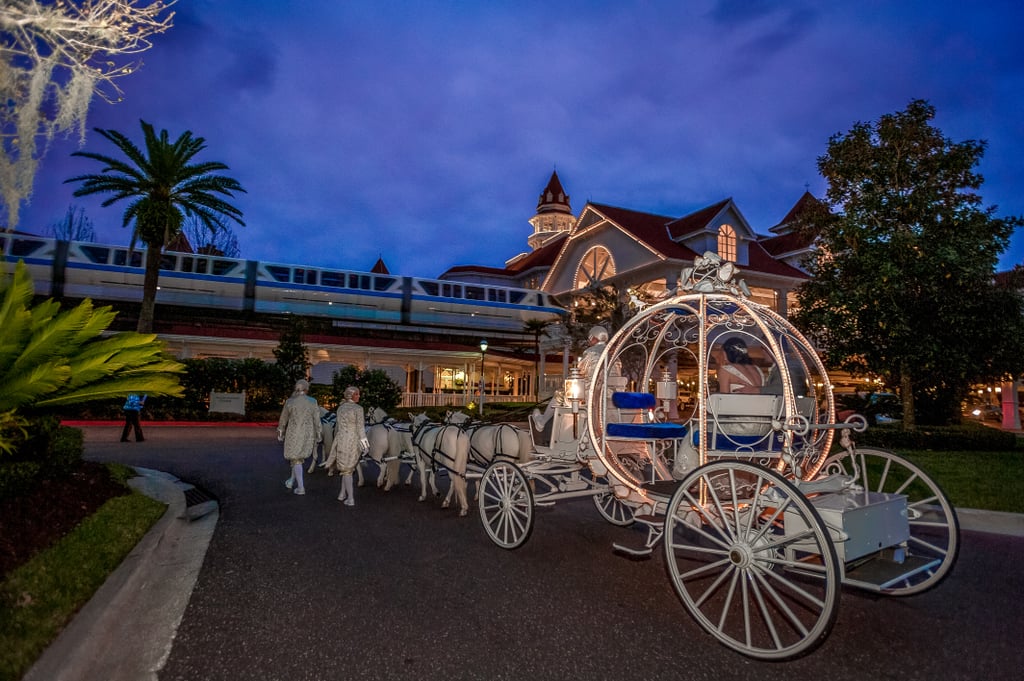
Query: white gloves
(364,445)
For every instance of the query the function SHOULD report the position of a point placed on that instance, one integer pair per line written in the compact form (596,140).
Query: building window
(596,266)
(727,243)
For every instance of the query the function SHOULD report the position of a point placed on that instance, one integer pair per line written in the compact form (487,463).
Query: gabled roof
(542,257)
(647,228)
(803,204)
(379,267)
(760,260)
(786,244)
(688,224)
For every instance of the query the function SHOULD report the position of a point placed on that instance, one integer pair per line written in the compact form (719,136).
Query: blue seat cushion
(624,400)
(647,431)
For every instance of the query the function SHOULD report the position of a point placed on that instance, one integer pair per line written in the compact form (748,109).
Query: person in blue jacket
(132,407)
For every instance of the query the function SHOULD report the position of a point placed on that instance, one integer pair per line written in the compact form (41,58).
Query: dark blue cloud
(423,132)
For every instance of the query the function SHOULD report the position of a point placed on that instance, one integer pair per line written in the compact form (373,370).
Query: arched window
(595,267)
(727,243)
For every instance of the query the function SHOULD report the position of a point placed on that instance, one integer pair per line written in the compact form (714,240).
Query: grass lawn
(39,598)
(993,481)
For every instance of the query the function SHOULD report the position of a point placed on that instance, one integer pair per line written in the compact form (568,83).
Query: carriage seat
(739,422)
(633,404)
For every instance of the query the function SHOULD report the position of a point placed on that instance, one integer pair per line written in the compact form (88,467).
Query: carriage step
(881,573)
(631,552)
(654,521)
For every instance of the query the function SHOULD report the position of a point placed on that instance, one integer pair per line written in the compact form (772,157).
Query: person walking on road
(299,430)
(132,409)
(349,442)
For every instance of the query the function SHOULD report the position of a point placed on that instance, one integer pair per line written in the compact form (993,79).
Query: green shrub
(51,450)
(966,437)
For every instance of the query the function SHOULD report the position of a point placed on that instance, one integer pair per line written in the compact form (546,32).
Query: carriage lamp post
(574,393)
(483,381)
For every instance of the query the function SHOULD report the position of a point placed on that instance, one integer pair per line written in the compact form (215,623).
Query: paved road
(297,588)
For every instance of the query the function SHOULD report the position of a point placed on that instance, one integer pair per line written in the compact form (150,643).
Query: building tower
(554,215)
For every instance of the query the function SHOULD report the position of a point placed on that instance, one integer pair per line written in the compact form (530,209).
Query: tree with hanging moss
(902,279)
(54,57)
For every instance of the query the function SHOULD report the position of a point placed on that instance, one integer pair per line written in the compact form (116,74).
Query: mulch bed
(34,521)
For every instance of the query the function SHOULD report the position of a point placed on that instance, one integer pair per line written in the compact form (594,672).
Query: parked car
(988,412)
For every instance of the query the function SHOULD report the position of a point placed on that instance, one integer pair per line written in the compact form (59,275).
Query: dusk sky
(423,132)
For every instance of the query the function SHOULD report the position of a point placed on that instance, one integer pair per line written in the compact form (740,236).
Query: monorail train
(76,269)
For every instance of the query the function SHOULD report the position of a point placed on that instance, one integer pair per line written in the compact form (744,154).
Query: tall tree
(54,56)
(75,226)
(291,353)
(221,242)
(901,281)
(163,186)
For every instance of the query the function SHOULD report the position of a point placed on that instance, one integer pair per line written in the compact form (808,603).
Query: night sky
(423,132)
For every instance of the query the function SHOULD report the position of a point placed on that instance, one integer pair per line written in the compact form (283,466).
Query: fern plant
(51,357)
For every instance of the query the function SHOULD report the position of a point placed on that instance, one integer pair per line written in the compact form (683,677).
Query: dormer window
(727,243)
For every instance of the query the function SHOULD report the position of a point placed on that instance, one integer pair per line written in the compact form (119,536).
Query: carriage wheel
(934,528)
(751,560)
(613,509)
(506,504)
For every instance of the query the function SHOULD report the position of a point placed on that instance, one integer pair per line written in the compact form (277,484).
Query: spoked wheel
(934,529)
(751,560)
(506,505)
(613,509)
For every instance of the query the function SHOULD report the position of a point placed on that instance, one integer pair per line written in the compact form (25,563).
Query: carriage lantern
(665,391)
(574,387)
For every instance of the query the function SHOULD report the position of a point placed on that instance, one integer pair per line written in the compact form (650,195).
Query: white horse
(440,445)
(327,420)
(388,440)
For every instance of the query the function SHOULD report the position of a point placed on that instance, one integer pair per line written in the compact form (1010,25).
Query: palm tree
(164,187)
(538,327)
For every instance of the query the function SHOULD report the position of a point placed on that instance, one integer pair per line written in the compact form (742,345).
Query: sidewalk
(125,632)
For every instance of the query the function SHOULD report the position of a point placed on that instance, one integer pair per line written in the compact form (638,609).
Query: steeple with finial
(554,215)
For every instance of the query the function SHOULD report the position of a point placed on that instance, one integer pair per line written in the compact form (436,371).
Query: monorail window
(202,265)
(282,274)
(475,293)
(359,281)
(430,287)
(3,244)
(451,290)
(96,254)
(516,297)
(496,295)
(221,267)
(336,279)
(168,262)
(23,247)
(303,276)
(186,264)
(121,258)
(382,283)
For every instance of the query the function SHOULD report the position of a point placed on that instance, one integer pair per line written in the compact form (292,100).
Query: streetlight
(483,381)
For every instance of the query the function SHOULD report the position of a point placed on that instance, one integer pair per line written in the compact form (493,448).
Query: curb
(995,522)
(137,610)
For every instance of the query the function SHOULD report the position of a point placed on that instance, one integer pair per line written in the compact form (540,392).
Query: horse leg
(422,466)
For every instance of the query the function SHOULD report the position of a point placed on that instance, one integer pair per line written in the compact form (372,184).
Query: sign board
(232,403)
